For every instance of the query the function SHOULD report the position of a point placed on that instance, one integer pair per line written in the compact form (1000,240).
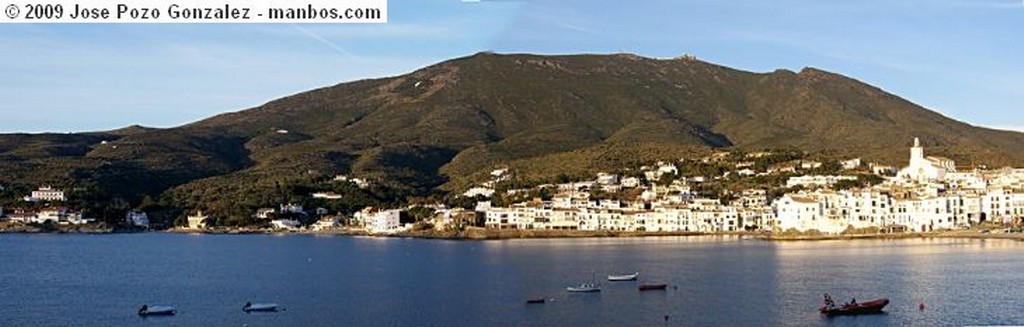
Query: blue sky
(962,58)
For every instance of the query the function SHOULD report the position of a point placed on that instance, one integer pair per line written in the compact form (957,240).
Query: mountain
(450,123)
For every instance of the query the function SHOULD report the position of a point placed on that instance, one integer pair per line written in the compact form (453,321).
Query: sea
(102,280)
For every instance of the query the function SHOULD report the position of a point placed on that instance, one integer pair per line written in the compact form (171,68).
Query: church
(924,169)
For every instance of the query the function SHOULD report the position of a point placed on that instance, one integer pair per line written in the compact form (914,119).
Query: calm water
(101,280)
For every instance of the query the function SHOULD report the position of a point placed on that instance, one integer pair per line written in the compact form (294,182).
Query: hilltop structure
(923,169)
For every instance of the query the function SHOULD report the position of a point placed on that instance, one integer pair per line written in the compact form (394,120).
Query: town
(786,196)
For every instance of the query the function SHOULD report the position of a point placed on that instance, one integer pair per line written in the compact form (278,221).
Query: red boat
(652,287)
(853,308)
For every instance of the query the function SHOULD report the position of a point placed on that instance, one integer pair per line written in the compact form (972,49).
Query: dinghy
(623,278)
(259,307)
(157,310)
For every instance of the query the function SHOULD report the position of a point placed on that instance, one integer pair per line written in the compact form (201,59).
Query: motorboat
(584,288)
(157,310)
(259,307)
(853,307)
(536,301)
(623,278)
(652,287)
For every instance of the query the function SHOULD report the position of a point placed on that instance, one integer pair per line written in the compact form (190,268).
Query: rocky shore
(57,229)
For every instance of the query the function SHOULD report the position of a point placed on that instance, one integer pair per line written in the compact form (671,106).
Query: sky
(962,58)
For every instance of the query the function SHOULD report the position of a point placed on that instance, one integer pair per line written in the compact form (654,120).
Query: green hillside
(443,126)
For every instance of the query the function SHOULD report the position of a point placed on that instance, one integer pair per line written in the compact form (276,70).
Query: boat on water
(584,288)
(157,310)
(536,301)
(853,307)
(623,278)
(259,307)
(652,287)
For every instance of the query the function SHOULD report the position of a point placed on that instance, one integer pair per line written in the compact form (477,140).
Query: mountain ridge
(446,124)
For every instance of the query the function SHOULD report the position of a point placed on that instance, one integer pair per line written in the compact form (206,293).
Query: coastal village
(929,194)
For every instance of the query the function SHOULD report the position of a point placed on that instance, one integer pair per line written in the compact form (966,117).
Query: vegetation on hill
(444,127)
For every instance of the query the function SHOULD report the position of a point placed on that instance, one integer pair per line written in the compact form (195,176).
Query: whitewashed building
(923,169)
(198,221)
(326,195)
(137,218)
(380,221)
(799,212)
(479,191)
(46,193)
(325,223)
(285,224)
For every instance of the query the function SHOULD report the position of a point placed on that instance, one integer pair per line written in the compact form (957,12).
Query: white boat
(259,307)
(623,278)
(584,288)
(157,310)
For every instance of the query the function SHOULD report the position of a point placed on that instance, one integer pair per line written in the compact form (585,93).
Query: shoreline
(482,234)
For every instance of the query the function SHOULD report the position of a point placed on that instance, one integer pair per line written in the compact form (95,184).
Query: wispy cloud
(324,41)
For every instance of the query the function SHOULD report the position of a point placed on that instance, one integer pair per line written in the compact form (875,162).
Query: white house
(802,213)
(291,208)
(850,164)
(484,191)
(498,218)
(52,214)
(1002,205)
(326,195)
(198,221)
(965,208)
(137,218)
(810,165)
(923,214)
(629,182)
(46,193)
(380,221)
(607,179)
(498,174)
(666,169)
(286,224)
(265,213)
(868,208)
(326,223)
(76,218)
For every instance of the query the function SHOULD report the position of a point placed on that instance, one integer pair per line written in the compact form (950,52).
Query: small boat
(623,278)
(853,308)
(652,287)
(584,288)
(157,310)
(536,301)
(259,307)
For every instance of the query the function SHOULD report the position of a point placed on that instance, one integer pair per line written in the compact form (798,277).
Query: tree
(666,179)
(420,213)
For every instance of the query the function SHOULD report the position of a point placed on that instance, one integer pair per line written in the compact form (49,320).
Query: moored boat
(853,307)
(536,301)
(652,287)
(584,288)
(157,310)
(623,278)
(259,307)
